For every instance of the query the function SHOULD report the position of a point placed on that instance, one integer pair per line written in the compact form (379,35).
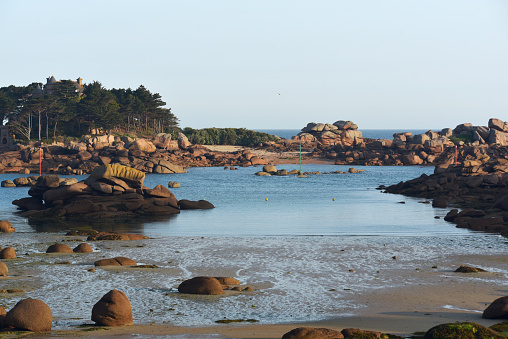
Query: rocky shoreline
(340,143)
(478,187)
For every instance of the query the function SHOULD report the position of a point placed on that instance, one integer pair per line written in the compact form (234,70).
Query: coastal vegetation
(67,111)
(227,136)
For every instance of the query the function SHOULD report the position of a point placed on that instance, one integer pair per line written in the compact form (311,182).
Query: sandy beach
(282,158)
(361,286)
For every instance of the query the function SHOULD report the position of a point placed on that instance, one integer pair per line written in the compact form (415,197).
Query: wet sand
(397,296)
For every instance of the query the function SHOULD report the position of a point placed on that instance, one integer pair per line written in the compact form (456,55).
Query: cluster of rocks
(450,330)
(63,248)
(110,191)
(477,186)
(429,148)
(113,309)
(269,170)
(344,133)
(160,155)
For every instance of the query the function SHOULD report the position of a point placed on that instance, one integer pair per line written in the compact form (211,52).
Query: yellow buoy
(266,199)
(333,199)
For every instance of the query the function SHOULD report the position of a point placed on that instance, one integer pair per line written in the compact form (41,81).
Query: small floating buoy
(333,199)
(266,199)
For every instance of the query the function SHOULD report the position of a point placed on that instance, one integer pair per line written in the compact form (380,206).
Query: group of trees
(227,136)
(69,112)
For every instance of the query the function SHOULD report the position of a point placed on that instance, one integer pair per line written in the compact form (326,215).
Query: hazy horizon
(401,64)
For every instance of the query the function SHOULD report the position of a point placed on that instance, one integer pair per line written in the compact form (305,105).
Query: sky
(274,64)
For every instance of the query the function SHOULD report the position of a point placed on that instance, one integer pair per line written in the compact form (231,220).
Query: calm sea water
(249,205)
(367,133)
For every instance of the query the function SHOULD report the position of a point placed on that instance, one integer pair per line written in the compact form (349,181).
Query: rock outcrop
(160,155)
(344,133)
(110,191)
(477,185)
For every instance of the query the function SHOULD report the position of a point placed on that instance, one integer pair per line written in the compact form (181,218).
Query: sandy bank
(277,158)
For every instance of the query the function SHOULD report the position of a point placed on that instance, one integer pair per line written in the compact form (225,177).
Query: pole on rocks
(300,174)
(456,155)
(40,161)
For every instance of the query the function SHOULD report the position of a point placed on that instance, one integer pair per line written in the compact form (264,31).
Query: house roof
(52,80)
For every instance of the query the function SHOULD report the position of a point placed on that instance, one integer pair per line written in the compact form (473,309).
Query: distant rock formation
(340,132)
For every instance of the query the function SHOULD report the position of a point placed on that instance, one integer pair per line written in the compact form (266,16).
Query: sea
(306,246)
(367,133)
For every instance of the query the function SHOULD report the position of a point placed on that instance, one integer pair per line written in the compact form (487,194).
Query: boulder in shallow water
(201,285)
(59,248)
(117,261)
(8,253)
(194,205)
(83,248)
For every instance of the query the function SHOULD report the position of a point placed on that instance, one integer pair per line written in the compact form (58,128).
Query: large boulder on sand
(59,248)
(30,315)
(8,253)
(3,269)
(497,310)
(114,309)
(6,226)
(201,285)
(312,333)
(83,248)
(130,175)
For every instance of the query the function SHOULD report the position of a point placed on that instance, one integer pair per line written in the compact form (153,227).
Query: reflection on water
(135,225)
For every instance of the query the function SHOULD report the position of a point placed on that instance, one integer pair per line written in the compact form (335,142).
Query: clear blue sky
(275,64)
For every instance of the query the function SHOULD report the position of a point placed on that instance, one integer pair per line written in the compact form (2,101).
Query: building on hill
(50,87)
(5,137)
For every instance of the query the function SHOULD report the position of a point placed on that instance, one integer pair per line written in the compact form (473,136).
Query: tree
(99,107)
